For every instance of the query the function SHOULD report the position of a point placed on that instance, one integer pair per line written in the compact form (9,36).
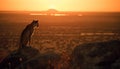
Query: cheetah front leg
(29,42)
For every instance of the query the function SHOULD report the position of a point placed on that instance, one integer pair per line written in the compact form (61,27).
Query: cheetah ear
(33,20)
(36,20)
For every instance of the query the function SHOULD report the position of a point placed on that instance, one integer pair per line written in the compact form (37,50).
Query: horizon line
(47,10)
(53,9)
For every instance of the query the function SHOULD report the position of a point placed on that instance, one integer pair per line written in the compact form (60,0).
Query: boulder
(99,55)
(30,58)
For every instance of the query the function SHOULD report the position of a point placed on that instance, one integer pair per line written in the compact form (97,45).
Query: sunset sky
(62,5)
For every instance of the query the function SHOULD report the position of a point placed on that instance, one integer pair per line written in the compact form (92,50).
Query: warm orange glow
(62,5)
(52,7)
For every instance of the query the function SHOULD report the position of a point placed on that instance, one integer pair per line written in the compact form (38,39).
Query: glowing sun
(52,7)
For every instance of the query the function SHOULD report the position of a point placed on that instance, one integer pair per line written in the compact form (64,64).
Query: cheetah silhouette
(26,34)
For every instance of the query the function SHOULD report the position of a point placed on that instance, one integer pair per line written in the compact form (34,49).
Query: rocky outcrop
(100,55)
(30,58)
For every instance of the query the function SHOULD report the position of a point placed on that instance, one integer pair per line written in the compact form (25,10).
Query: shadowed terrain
(99,55)
(30,58)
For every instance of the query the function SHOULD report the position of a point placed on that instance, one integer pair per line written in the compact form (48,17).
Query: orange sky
(62,5)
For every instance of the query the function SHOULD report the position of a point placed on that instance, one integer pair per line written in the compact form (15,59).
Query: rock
(17,58)
(29,58)
(45,61)
(29,52)
(100,55)
(12,61)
